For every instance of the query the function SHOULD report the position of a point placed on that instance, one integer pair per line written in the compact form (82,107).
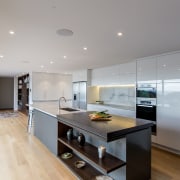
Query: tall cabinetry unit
(168,104)
(146,101)
(164,70)
(23,92)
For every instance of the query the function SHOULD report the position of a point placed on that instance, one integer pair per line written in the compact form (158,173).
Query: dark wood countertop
(107,130)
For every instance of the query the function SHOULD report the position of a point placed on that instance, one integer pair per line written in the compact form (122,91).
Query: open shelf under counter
(89,152)
(86,173)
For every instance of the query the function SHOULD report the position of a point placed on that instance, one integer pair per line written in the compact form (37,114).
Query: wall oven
(146,103)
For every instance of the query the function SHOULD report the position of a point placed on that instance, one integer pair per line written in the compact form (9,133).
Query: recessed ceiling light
(85,48)
(11,32)
(164,65)
(64,32)
(42,66)
(1,56)
(119,33)
(64,57)
(51,62)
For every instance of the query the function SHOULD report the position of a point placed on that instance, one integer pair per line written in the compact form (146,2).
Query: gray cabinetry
(46,130)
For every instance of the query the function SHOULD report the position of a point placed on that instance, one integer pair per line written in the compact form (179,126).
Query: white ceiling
(149,27)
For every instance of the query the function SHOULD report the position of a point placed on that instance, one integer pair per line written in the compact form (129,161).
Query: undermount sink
(68,109)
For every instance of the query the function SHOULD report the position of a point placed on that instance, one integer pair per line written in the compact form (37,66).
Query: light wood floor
(165,165)
(23,157)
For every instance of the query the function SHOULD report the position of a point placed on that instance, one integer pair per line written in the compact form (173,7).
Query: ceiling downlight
(119,34)
(11,32)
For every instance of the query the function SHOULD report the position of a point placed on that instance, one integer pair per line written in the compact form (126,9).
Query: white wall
(49,86)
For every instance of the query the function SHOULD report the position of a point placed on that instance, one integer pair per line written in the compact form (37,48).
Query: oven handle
(141,105)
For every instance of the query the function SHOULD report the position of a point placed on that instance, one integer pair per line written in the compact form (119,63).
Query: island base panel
(138,155)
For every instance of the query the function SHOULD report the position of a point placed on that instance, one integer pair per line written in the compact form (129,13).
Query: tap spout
(60,99)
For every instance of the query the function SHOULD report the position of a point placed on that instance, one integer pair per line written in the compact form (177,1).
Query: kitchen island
(127,141)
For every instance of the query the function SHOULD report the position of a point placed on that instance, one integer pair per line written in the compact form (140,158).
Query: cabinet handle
(141,105)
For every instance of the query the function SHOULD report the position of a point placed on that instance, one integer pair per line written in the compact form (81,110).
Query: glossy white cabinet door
(81,75)
(105,76)
(169,67)
(127,73)
(147,70)
(168,101)
(114,75)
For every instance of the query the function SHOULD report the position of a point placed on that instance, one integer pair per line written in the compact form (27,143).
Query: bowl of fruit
(101,115)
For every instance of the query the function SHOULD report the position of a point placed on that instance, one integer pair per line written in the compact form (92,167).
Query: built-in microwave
(146,91)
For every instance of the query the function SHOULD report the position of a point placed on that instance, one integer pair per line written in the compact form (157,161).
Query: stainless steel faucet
(60,99)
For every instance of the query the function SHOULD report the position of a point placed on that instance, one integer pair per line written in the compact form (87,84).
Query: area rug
(8,114)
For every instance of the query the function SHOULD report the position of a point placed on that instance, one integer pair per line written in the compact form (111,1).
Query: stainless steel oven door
(147,112)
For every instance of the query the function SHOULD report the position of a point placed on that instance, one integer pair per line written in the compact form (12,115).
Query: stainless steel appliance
(79,95)
(146,103)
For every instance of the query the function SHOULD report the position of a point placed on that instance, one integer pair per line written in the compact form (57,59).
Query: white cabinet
(127,73)
(104,76)
(114,75)
(81,75)
(168,101)
(51,86)
(147,70)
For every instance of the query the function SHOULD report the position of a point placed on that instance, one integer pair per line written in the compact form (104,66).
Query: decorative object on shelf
(81,139)
(101,151)
(66,155)
(70,134)
(102,115)
(79,164)
(103,178)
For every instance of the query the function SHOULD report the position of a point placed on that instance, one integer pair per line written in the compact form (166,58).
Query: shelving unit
(23,92)
(87,153)
(87,172)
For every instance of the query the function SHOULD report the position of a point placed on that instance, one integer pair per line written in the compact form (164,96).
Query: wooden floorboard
(24,157)
(165,165)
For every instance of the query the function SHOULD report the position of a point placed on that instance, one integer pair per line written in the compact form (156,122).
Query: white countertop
(51,108)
